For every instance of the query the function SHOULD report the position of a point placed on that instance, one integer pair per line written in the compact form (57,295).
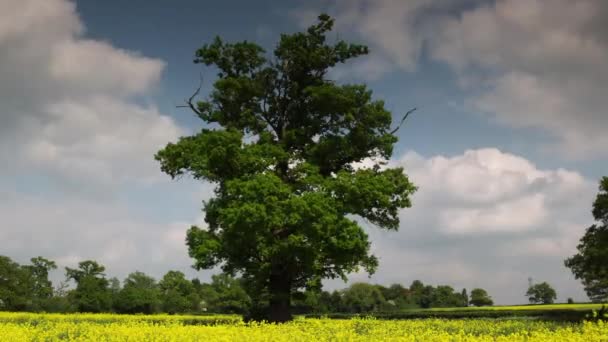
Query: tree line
(28,288)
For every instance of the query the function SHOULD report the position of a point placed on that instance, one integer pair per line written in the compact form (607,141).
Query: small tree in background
(139,294)
(465,297)
(541,293)
(480,297)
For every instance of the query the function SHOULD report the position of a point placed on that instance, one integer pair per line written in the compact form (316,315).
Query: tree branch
(402,120)
(189,103)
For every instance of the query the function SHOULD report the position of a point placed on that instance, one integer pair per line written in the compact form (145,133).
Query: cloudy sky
(506,147)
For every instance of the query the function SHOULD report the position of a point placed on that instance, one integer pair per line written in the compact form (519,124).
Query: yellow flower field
(106,327)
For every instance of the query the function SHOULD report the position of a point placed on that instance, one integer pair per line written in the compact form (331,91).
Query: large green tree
(280,144)
(590,264)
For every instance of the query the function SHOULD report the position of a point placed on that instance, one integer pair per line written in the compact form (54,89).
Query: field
(578,307)
(108,327)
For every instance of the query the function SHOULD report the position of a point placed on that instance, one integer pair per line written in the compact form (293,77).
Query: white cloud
(66,102)
(537,64)
(391,28)
(485,218)
(72,230)
(543,66)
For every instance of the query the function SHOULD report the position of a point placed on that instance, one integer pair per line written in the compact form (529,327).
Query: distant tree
(541,293)
(426,297)
(42,287)
(337,304)
(590,264)
(92,293)
(362,298)
(465,297)
(15,286)
(324,303)
(230,297)
(444,296)
(281,151)
(570,300)
(114,288)
(60,301)
(178,294)
(416,289)
(398,296)
(480,297)
(139,294)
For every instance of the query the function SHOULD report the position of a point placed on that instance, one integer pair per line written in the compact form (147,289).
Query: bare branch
(402,120)
(189,103)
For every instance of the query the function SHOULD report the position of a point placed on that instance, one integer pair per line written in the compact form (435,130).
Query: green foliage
(15,286)
(541,293)
(139,294)
(281,216)
(590,263)
(225,294)
(178,294)
(480,297)
(465,297)
(92,293)
(362,298)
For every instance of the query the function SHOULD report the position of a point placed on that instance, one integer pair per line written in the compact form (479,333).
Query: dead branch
(402,120)
(189,102)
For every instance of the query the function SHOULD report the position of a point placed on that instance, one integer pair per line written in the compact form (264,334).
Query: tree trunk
(280,297)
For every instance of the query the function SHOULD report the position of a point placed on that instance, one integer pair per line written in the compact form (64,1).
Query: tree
(15,294)
(281,154)
(178,294)
(92,293)
(541,293)
(590,264)
(41,288)
(362,298)
(230,295)
(139,294)
(444,296)
(480,297)
(465,297)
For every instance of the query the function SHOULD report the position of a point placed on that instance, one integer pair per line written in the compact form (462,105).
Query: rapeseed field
(108,327)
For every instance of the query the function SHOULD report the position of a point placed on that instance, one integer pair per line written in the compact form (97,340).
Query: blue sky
(507,144)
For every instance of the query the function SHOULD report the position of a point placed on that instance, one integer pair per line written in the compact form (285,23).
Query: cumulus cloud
(72,125)
(537,64)
(66,102)
(72,230)
(485,218)
(546,66)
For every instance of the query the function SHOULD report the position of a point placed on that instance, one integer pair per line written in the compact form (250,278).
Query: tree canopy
(280,143)
(541,293)
(590,264)
(92,293)
(480,297)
